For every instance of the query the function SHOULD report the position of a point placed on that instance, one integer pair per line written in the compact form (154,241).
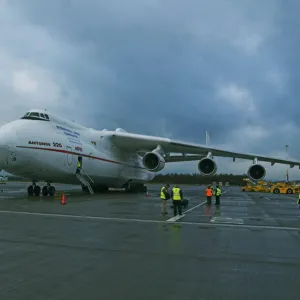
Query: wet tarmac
(119,246)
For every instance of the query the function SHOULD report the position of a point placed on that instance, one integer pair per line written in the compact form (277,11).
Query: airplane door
(69,156)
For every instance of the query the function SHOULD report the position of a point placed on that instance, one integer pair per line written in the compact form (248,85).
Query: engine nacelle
(256,172)
(207,166)
(153,162)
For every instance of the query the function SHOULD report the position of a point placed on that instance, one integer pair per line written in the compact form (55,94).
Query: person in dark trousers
(164,196)
(208,193)
(218,194)
(177,196)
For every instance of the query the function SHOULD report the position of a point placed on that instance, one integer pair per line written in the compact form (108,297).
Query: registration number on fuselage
(54,144)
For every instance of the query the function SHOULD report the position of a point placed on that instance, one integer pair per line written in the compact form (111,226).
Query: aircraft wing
(188,151)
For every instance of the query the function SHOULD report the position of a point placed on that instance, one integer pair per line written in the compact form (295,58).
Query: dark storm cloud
(175,68)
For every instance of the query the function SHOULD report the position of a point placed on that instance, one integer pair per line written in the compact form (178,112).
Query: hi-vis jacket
(218,192)
(208,192)
(177,194)
(164,194)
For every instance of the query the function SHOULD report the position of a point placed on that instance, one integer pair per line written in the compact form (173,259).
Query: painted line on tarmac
(176,218)
(205,225)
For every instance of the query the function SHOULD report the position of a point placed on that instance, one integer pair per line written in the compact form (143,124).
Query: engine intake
(256,172)
(207,166)
(153,162)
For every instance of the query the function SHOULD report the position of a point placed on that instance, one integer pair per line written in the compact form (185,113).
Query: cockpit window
(36,116)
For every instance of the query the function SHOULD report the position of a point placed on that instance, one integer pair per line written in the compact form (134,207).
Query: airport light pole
(287,169)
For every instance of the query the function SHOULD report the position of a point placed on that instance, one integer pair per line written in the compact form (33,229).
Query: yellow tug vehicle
(284,188)
(270,187)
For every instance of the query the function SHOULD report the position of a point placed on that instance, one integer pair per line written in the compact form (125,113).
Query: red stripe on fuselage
(79,154)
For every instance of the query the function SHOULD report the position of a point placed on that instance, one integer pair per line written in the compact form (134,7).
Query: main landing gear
(35,190)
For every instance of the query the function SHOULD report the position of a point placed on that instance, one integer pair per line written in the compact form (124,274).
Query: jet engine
(207,166)
(153,162)
(256,172)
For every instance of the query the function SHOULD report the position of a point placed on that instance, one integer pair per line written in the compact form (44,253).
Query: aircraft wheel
(45,190)
(51,190)
(37,190)
(289,191)
(30,190)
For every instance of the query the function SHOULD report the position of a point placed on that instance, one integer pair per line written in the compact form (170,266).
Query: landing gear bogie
(34,190)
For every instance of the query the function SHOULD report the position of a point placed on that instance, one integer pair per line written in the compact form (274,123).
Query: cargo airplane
(44,147)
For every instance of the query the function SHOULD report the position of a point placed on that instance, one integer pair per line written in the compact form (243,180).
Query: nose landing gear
(35,190)
(48,190)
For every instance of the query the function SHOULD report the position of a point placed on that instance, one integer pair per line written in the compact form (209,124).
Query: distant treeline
(198,179)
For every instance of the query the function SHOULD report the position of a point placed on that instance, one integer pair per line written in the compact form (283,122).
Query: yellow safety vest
(162,195)
(78,164)
(218,192)
(176,194)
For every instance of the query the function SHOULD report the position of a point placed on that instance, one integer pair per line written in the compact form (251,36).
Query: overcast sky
(168,68)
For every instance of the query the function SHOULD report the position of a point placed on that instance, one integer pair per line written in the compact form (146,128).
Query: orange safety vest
(208,192)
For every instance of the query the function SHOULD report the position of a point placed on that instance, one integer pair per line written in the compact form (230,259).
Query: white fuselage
(48,151)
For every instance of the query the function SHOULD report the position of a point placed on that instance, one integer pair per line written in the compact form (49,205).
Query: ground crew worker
(164,196)
(177,197)
(78,165)
(218,194)
(208,193)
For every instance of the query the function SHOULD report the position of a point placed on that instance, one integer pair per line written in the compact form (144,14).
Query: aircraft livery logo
(73,136)
(68,132)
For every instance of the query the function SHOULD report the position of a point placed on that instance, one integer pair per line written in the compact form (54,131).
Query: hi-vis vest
(162,195)
(218,192)
(176,194)
(78,164)
(208,192)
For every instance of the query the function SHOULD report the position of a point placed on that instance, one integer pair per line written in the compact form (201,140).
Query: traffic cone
(63,199)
